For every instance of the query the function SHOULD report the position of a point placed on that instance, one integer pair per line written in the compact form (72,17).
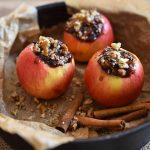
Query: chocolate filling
(86,25)
(116,61)
(52,52)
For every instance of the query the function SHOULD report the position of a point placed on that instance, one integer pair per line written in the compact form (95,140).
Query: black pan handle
(51,14)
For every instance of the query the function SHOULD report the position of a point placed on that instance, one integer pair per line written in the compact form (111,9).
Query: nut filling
(117,61)
(52,52)
(86,25)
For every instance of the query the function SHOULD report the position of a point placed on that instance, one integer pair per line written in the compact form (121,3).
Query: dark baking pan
(132,139)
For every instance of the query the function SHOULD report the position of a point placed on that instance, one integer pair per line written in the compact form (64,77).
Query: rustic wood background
(6,6)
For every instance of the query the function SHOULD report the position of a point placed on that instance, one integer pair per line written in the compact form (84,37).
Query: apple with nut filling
(45,68)
(114,77)
(86,32)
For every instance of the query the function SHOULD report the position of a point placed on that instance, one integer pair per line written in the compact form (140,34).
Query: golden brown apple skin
(83,51)
(109,90)
(41,80)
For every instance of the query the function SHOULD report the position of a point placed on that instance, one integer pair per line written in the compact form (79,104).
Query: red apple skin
(109,90)
(83,51)
(40,80)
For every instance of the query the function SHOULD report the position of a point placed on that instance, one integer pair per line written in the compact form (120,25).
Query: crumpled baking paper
(22,22)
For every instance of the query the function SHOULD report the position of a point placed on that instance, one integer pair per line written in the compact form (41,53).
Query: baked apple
(86,32)
(45,68)
(114,77)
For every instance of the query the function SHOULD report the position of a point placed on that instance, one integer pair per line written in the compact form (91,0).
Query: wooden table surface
(6,6)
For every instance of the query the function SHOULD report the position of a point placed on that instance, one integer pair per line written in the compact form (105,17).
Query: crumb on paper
(80,133)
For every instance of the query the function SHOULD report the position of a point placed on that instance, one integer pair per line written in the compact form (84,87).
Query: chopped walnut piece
(44,44)
(116,46)
(73,124)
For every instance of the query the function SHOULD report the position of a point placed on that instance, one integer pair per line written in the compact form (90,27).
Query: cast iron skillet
(131,139)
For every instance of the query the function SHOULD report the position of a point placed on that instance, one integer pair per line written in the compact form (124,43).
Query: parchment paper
(129,19)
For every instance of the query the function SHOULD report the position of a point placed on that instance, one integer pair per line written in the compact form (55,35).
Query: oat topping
(86,25)
(53,52)
(116,61)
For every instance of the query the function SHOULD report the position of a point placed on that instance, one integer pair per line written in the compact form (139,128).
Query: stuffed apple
(86,32)
(114,77)
(45,68)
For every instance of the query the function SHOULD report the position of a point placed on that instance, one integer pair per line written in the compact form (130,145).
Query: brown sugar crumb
(14,112)
(52,52)
(78,83)
(42,108)
(30,117)
(18,100)
(88,101)
(93,134)
(90,112)
(116,61)
(36,100)
(81,133)
(74,124)
(54,120)
(86,25)
(15,96)
(42,115)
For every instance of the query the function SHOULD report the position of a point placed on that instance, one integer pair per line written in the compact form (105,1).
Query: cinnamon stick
(120,110)
(133,115)
(87,121)
(68,116)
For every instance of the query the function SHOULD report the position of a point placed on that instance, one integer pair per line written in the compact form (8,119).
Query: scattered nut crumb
(81,133)
(83,114)
(42,115)
(17,83)
(14,112)
(74,124)
(15,95)
(30,117)
(36,100)
(42,108)
(93,134)
(88,101)
(78,83)
(90,112)
(38,106)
